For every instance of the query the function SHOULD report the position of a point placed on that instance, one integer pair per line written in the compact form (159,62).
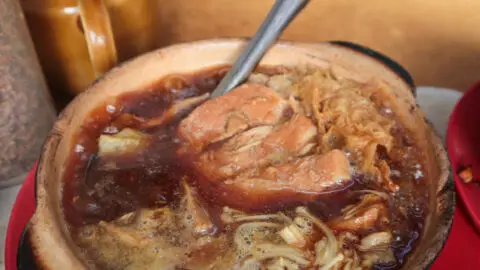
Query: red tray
(464,148)
(462,250)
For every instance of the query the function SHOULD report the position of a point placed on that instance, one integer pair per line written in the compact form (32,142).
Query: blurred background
(436,40)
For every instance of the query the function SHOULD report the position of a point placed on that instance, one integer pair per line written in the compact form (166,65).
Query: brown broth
(152,180)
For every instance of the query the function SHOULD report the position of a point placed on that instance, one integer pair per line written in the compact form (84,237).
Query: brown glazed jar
(26,111)
(78,40)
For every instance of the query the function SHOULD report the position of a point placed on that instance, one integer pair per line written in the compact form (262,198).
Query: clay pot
(50,239)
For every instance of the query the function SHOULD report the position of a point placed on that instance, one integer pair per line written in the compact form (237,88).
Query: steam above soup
(294,169)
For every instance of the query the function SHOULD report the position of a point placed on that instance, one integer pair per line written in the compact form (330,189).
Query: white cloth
(437,104)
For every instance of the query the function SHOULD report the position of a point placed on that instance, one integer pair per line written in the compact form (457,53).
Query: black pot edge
(25,256)
(388,62)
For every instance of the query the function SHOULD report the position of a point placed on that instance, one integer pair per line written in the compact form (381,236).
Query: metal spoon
(279,17)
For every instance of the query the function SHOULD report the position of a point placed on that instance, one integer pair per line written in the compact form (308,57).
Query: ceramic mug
(78,40)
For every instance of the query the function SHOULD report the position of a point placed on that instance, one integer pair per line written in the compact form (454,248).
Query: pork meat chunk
(258,148)
(311,174)
(302,180)
(249,105)
(254,146)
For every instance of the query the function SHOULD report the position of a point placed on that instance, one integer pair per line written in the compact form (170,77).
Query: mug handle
(98,35)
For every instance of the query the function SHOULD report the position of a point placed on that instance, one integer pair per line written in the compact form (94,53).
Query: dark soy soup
(294,169)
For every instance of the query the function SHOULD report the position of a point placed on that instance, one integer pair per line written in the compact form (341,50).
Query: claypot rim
(56,134)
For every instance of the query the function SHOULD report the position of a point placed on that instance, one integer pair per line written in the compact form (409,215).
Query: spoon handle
(281,14)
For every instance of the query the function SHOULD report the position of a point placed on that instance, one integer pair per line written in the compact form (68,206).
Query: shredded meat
(371,211)
(348,118)
(363,221)
(346,111)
